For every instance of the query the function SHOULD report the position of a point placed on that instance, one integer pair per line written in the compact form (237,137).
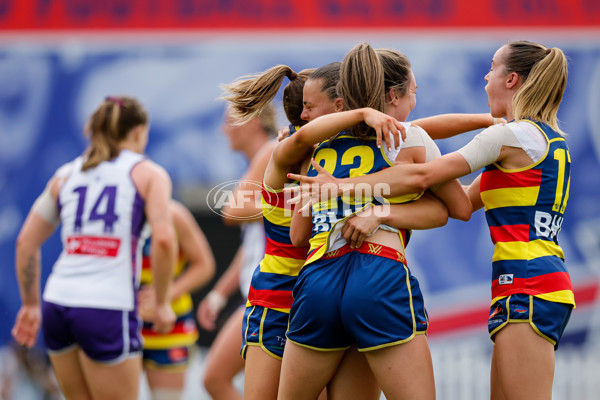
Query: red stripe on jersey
(278,249)
(146,262)
(182,327)
(497,179)
(147,265)
(510,233)
(546,283)
(275,199)
(270,298)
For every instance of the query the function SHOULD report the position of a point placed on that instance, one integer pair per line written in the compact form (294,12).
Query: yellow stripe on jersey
(317,241)
(526,250)
(146,276)
(327,205)
(510,197)
(404,198)
(277,215)
(560,296)
(168,341)
(280,265)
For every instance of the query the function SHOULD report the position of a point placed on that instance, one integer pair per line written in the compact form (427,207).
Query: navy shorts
(265,328)
(366,297)
(547,318)
(108,336)
(173,359)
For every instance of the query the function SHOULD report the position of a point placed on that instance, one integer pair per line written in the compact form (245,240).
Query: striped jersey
(184,332)
(348,156)
(275,276)
(524,209)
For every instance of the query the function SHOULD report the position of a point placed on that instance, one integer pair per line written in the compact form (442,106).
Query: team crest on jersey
(505,279)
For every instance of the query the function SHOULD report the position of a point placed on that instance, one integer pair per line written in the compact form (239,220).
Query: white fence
(462,372)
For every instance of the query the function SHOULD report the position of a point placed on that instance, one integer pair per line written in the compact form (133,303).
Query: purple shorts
(104,335)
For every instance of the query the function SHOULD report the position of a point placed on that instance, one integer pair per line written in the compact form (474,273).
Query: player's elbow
(462,213)
(440,218)
(163,238)
(210,267)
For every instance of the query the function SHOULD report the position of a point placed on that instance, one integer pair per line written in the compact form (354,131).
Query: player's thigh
(305,372)
(113,381)
(69,374)
(353,379)
(164,378)
(224,361)
(404,371)
(524,362)
(261,376)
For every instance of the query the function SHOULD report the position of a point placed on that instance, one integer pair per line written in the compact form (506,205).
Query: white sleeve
(392,153)
(485,148)
(414,137)
(45,205)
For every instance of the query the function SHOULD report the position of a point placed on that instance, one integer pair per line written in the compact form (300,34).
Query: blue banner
(48,90)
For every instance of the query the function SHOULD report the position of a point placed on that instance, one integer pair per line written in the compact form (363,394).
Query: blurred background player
(254,139)
(103,200)
(167,355)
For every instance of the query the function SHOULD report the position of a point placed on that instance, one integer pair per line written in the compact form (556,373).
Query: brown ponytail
(249,94)
(109,125)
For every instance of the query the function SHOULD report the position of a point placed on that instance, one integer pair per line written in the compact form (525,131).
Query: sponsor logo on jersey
(177,354)
(496,311)
(375,249)
(505,279)
(93,246)
(332,254)
(401,258)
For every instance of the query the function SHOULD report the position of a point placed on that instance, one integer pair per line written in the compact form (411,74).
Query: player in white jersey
(103,201)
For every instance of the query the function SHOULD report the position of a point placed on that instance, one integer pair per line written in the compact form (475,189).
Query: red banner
(94,15)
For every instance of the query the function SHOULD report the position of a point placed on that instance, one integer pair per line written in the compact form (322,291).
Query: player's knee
(213,382)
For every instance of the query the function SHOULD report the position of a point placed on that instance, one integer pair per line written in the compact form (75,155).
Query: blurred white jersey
(102,232)
(253,248)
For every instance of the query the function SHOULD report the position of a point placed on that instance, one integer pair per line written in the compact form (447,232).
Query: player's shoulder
(147,166)
(66,169)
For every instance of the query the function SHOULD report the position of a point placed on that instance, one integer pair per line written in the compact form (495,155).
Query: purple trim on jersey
(58,205)
(104,335)
(138,217)
(134,276)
